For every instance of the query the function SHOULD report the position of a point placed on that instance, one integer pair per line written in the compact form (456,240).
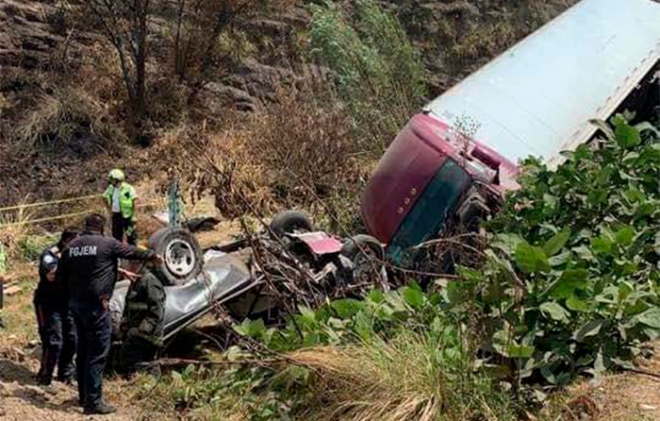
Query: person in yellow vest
(120,199)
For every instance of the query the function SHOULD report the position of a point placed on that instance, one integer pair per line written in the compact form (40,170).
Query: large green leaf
(576,304)
(505,345)
(376,296)
(651,317)
(602,244)
(507,242)
(347,307)
(520,351)
(624,236)
(531,259)
(557,242)
(413,297)
(592,328)
(555,311)
(307,314)
(627,136)
(251,328)
(570,281)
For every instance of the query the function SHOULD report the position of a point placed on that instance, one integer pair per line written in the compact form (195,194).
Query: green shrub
(571,286)
(378,73)
(32,246)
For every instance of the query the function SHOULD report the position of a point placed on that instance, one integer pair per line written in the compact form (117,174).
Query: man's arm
(49,265)
(107,198)
(134,199)
(126,251)
(62,272)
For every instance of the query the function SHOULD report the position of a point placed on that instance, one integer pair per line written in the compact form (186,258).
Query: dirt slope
(625,397)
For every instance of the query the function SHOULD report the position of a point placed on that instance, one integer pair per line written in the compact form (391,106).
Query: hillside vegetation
(210,68)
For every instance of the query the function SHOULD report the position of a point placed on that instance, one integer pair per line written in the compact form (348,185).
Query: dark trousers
(57,331)
(136,350)
(94,340)
(121,226)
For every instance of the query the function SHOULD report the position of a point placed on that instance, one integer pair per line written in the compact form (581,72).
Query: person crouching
(142,324)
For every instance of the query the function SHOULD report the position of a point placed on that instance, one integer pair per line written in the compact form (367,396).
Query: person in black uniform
(142,323)
(56,327)
(89,266)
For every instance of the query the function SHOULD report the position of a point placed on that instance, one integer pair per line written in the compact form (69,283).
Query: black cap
(95,223)
(68,234)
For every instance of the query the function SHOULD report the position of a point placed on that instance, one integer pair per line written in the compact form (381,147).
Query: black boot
(100,409)
(46,384)
(67,380)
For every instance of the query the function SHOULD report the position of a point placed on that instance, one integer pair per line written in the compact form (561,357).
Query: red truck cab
(536,99)
(426,175)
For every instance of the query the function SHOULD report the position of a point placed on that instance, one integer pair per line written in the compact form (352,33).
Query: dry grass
(14,228)
(402,379)
(290,154)
(62,115)
(614,398)
(17,314)
(19,318)
(620,397)
(485,41)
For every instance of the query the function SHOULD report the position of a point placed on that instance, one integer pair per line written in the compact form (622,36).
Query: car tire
(288,222)
(356,244)
(367,254)
(182,255)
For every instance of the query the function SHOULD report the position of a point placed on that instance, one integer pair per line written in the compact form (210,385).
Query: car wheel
(367,254)
(182,255)
(289,222)
(362,243)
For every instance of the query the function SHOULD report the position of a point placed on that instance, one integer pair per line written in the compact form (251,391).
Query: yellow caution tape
(70,215)
(50,218)
(39,204)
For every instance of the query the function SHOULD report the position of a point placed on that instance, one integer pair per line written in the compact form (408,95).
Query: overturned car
(259,275)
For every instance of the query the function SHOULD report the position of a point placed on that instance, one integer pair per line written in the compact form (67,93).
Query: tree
(198,28)
(124,23)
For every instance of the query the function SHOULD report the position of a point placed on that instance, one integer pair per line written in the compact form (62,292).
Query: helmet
(117,174)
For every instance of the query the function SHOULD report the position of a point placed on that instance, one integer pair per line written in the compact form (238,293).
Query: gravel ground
(22,400)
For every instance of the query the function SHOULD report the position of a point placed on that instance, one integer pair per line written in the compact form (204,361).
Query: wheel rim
(365,262)
(180,258)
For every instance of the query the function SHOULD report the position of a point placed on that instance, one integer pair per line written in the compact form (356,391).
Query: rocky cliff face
(28,35)
(455,38)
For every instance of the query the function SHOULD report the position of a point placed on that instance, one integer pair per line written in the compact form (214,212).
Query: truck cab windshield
(430,211)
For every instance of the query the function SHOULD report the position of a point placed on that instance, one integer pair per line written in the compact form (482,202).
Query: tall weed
(413,376)
(378,73)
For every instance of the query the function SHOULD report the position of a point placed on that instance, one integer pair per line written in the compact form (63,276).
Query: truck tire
(288,222)
(182,255)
